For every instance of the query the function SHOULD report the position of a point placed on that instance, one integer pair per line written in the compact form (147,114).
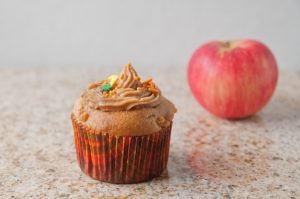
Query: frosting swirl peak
(123,92)
(128,78)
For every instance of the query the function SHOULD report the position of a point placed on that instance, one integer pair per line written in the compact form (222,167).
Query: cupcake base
(121,159)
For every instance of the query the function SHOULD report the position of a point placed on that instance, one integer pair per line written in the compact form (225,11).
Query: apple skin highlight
(233,79)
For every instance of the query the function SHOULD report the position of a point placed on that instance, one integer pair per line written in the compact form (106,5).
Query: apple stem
(227,44)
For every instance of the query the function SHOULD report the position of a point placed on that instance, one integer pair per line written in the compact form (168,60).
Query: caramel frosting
(127,93)
(124,105)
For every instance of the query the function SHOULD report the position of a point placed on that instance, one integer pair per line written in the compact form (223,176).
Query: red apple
(233,79)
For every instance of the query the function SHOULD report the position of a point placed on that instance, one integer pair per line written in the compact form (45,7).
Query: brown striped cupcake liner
(121,159)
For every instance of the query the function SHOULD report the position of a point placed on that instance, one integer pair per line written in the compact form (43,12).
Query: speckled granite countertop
(258,157)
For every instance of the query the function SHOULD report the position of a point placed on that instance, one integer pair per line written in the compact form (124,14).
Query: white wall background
(46,33)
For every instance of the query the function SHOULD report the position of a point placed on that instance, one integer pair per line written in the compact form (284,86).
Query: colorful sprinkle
(113,79)
(106,87)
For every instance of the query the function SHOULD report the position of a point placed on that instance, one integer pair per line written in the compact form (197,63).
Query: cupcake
(122,129)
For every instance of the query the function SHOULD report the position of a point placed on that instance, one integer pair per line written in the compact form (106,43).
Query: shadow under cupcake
(122,129)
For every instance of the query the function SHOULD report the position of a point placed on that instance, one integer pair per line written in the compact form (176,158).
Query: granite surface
(258,157)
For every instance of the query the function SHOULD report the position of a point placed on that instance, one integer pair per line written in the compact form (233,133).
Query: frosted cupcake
(122,129)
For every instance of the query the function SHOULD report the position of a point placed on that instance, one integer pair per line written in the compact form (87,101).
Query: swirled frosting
(127,92)
(124,105)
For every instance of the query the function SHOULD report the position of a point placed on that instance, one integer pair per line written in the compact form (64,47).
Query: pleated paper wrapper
(121,159)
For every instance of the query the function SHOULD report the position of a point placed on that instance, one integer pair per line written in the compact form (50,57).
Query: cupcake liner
(121,159)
